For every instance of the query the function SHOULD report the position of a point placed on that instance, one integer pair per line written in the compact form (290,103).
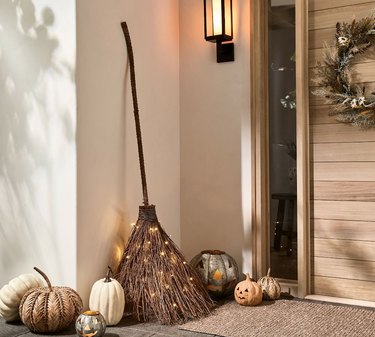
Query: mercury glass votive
(90,323)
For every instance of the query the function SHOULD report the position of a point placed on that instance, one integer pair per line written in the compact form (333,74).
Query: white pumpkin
(107,297)
(12,293)
(270,287)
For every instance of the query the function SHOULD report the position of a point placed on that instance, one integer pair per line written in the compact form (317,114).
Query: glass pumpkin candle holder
(90,323)
(218,270)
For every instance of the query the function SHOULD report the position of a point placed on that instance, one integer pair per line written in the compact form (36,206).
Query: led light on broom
(162,253)
(175,305)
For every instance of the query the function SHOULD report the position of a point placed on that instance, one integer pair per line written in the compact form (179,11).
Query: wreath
(350,103)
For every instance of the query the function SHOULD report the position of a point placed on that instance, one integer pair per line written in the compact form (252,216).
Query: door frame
(260,141)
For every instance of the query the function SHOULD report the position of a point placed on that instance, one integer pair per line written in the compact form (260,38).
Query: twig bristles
(156,278)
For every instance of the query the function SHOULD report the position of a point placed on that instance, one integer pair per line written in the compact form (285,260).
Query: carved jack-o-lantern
(248,292)
(218,270)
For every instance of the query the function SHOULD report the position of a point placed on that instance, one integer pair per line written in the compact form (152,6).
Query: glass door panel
(282,139)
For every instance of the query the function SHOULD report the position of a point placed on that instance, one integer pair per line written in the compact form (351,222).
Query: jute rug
(290,318)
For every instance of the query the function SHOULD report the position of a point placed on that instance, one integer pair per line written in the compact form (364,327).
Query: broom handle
(136,111)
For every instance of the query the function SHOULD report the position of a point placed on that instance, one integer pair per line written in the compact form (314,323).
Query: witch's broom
(155,275)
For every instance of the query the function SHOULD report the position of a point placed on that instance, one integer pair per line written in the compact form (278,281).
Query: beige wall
(109,190)
(214,110)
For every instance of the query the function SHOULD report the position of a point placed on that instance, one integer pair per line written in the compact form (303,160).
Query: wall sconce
(218,27)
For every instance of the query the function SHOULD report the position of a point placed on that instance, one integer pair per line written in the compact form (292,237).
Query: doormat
(284,318)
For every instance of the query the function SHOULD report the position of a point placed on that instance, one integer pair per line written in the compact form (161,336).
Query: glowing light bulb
(162,253)
(127,257)
(184,262)
(216,12)
(175,305)
(191,279)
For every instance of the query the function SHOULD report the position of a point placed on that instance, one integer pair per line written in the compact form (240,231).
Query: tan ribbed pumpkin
(11,295)
(248,292)
(49,309)
(270,287)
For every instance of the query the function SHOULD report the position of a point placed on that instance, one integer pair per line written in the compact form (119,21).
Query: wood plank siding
(342,161)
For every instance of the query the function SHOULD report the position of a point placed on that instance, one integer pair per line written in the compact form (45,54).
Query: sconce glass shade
(218,20)
(218,27)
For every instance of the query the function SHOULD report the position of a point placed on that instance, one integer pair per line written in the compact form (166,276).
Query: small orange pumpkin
(49,309)
(248,292)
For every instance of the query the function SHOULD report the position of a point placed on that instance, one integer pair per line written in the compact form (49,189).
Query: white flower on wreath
(357,102)
(343,41)
(361,101)
(354,103)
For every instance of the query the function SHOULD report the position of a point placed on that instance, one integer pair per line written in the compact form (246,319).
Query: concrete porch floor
(127,327)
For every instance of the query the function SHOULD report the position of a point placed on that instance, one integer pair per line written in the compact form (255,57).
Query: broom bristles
(157,279)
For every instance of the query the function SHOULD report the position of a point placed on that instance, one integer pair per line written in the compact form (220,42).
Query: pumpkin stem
(45,277)
(248,278)
(107,277)
(269,272)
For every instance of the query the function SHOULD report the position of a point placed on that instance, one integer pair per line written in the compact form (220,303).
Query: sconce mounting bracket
(224,52)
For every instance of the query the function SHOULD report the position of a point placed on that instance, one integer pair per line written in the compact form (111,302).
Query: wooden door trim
(303,149)
(260,143)
(259,133)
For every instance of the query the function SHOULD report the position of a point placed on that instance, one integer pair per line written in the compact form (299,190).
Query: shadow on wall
(31,131)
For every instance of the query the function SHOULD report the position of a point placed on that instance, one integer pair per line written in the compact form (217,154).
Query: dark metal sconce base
(224,52)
